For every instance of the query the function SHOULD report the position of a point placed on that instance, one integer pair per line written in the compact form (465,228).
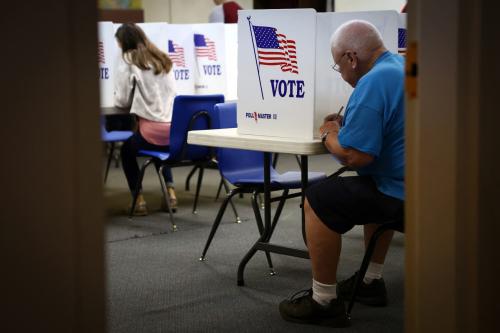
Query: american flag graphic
(204,47)
(402,41)
(100,53)
(176,53)
(274,49)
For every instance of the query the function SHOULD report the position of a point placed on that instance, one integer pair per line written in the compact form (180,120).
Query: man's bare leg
(324,247)
(382,244)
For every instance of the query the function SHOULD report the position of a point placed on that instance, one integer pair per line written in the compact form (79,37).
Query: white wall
(182,11)
(355,5)
(156,10)
(197,11)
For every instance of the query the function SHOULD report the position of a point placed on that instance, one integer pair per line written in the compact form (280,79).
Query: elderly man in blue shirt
(370,140)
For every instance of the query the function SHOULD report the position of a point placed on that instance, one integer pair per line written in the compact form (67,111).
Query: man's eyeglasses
(336,66)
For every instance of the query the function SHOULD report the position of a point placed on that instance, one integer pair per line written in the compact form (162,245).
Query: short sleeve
(362,130)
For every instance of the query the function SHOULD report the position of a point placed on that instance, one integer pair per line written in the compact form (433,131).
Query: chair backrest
(234,161)
(190,112)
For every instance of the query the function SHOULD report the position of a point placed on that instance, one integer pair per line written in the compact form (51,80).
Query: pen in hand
(332,117)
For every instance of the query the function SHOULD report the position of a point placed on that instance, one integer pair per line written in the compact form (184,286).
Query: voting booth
(181,51)
(331,91)
(275,63)
(276,51)
(231,40)
(106,54)
(210,58)
(285,82)
(198,53)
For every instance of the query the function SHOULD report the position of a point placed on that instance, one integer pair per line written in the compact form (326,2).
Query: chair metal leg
(256,211)
(198,186)
(364,264)
(188,178)
(279,209)
(217,221)
(166,196)
(261,201)
(110,157)
(116,157)
(219,188)
(260,226)
(297,158)
(226,187)
(267,219)
(275,159)
(138,186)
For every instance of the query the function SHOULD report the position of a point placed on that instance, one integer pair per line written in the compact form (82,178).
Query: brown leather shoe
(172,202)
(141,208)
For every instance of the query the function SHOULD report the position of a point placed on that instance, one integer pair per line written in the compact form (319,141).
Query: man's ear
(353,60)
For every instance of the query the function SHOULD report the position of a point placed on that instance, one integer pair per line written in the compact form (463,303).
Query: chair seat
(114,136)
(161,155)
(290,179)
(249,176)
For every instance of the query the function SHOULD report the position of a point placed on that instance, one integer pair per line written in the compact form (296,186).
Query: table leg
(267,219)
(304,180)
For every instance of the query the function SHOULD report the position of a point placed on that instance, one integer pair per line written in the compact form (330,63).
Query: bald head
(359,36)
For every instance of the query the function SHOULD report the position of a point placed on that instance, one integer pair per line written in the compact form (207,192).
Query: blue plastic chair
(245,170)
(189,113)
(112,137)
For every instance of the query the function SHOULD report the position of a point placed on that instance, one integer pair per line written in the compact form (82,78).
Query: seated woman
(145,83)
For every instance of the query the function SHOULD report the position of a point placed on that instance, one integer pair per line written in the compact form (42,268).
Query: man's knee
(308,211)
(311,218)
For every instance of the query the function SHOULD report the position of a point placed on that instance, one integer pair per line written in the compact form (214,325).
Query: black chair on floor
(394,225)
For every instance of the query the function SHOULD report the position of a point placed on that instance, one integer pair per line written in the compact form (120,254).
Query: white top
(230,138)
(154,94)
(217,15)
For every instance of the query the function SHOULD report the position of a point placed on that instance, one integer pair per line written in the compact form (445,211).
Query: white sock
(323,293)
(373,272)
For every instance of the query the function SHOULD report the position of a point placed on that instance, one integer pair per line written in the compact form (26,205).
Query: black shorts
(343,202)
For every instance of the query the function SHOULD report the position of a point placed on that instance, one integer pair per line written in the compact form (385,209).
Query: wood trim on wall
(488,306)
(453,183)
(431,170)
(121,15)
(89,209)
(52,224)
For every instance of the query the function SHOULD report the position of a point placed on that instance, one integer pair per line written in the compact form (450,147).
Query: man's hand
(332,126)
(347,156)
(333,117)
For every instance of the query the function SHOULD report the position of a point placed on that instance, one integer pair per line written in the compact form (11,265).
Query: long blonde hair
(138,50)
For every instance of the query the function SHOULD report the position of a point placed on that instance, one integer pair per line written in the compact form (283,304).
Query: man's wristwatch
(324,135)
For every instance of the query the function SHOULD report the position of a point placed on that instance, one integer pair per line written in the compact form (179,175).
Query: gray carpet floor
(155,282)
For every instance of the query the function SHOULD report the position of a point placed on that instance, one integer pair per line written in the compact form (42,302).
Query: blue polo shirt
(374,123)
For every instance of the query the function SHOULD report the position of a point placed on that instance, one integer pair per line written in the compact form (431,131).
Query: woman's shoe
(141,208)
(172,202)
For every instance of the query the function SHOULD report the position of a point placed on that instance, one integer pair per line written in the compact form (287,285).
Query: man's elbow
(356,160)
